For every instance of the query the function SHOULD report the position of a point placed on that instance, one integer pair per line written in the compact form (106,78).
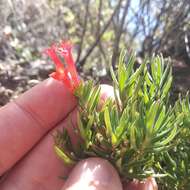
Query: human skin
(27,159)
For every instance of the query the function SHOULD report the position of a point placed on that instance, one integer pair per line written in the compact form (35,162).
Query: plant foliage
(141,132)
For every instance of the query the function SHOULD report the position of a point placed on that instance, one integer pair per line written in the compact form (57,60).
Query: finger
(148,184)
(93,174)
(41,168)
(25,121)
(106,92)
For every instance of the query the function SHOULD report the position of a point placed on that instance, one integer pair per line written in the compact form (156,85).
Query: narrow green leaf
(169,160)
(88,131)
(63,156)
(117,98)
(130,65)
(87,90)
(94,99)
(162,135)
(145,93)
(153,67)
(81,127)
(151,116)
(135,75)
(107,121)
(160,119)
(122,76)
(109,130)
(122,124)
(159,69)
(166,87)
(133,136)
(114,76)
(169,138)
(166,75)
(148,78)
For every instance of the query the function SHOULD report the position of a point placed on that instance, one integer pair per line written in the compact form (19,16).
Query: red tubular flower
(65,72)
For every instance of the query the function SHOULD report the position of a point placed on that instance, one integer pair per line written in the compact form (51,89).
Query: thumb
(93,174)
(147,184)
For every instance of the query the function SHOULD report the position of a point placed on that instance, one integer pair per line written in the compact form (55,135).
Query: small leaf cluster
(139,131)
(175,162)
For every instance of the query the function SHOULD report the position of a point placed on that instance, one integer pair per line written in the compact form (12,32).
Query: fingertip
(106,92)
(147,184)
(93,174)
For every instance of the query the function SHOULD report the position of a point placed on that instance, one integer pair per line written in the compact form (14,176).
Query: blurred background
(99,30)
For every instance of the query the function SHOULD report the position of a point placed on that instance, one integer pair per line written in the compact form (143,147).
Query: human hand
(26,145)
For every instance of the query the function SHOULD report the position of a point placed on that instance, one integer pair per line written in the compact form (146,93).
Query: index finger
(24,121)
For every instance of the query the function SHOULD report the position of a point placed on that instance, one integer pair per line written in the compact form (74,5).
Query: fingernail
(93,174)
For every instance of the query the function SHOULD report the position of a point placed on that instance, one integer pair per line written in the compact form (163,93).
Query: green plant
(141,132)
